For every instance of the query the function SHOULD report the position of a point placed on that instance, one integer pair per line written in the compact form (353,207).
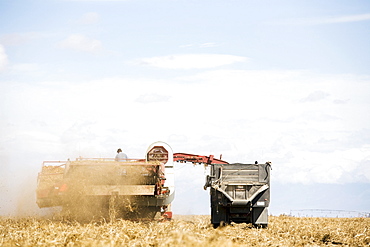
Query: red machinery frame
(183,157)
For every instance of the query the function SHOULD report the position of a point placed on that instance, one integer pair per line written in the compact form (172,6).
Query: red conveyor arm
(197,158)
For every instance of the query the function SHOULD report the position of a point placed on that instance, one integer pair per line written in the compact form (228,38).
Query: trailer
(239,193)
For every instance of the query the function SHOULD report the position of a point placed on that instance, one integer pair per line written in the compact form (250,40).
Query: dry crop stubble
(185,231)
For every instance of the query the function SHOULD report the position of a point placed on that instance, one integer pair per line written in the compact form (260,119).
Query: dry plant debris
(50,174)
(185,231)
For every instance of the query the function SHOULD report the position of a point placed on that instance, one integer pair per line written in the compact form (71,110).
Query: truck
(89,188)
(239,193)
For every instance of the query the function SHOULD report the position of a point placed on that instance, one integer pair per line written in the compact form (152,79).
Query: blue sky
(280,81)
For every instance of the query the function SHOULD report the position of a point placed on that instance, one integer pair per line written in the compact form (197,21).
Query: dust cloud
(95,189)
(18,196)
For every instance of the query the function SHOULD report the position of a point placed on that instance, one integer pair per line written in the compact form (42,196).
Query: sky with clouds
(280,81)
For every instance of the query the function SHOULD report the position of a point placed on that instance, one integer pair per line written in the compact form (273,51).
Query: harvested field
(185,231)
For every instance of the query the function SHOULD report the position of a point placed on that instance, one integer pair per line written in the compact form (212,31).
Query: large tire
(148,212)
(219,216)
(141,213)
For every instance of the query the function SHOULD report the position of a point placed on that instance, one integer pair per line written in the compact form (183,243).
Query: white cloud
(89,18)
(243,115)
(96,0)
(25,67)
(177,139)
(3,58)
(190,61)
(20,38)
(343,19)
(341,166)
(327,20)
(209,44)
(315,96)
(202,45)
(82,43)
(13,39)
(186,46)
(152,98)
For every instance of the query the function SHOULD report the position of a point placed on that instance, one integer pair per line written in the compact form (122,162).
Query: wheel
(219,216)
